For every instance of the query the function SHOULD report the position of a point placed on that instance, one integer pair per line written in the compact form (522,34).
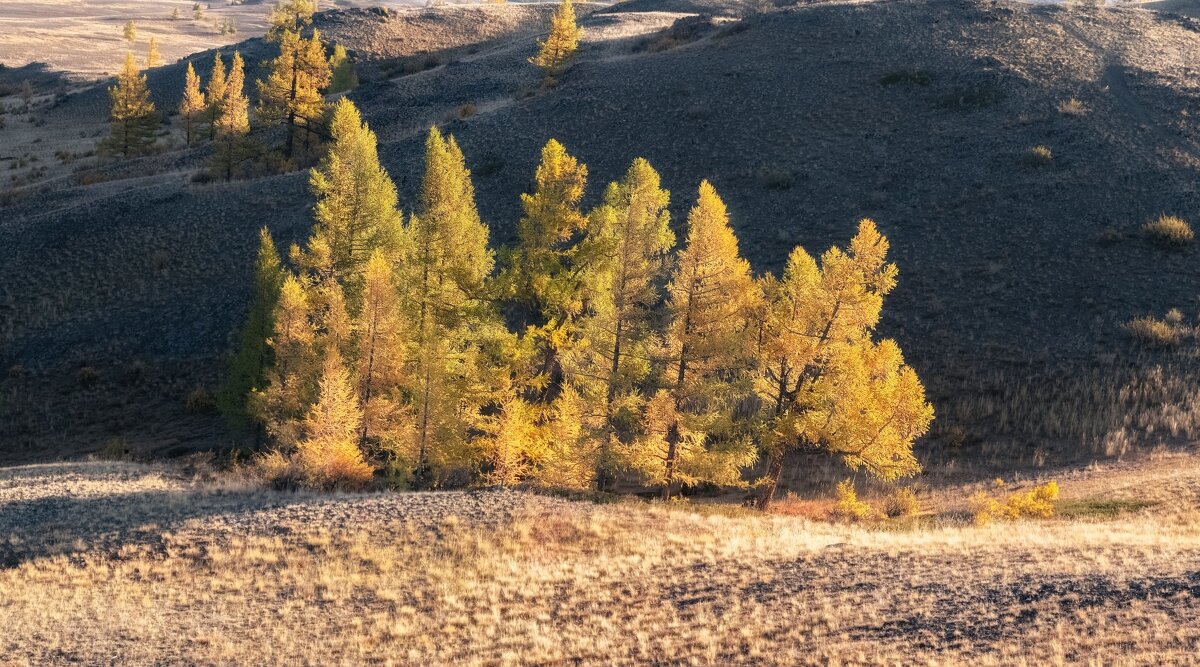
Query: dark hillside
(1016,274)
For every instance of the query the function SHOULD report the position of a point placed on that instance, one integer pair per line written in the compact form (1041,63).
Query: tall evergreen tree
(291,95)
(356,207)
(233,120)
(133,117)
(629,236)
(215,93)
(560,45)
(709,300)
(824,384)
(247,372)
(192,106)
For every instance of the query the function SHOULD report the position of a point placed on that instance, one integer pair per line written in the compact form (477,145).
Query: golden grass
(623,584)
(1169,231)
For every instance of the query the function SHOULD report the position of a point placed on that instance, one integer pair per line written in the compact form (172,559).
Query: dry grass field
(126,564)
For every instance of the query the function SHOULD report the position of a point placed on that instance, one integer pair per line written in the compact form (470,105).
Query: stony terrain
(116,562)
(119,296)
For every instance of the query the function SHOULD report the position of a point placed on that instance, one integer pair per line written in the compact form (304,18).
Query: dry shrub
(1072,107)
(901,503)
(1153,332)
(200,401)
(467,110)
(1037,503)
(1038,156)
(115,450)
(278,470)
(1169,231)
(849,507)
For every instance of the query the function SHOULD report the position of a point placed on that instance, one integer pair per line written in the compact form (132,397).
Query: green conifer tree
(343,77)
(247,372)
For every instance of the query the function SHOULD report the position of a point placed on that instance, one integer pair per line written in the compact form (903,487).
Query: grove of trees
(404,344)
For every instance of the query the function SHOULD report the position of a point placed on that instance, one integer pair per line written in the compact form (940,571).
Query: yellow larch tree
(291,94)
(153,59)
(192,107)
(133,117)
(628,240)
(293,15)
(215,94)
(233,120)
(710,296)
(444,272)
(560,45)
(823,382)
(356,212)
(342,77)
(383,337)
(328,450)
(290,382)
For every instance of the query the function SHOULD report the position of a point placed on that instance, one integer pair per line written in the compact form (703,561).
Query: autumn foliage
(586,353)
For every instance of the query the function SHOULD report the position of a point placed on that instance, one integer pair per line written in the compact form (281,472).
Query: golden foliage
(824,383)
(328,451)
(902,502)
(132,116)
(1169,231)
(1153,332)
(192,106)
(291,94)
(558,47)
(848,506)
(1037,503)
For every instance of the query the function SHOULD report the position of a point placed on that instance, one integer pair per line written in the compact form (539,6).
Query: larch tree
(328,450)
(134,120)
(383,348)
(628,240)
(546,268)
(215,95)
(233,120)
(823,382)
(342,74)
(291,94)
(289,15)
(444,273)
(247,371)
(129,31)
(290,386)
(153,59)
(710,296)
(560,45)
(356,209)
(192,106)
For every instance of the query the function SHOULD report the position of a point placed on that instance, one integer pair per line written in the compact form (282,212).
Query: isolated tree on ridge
(133,117)
(560,45)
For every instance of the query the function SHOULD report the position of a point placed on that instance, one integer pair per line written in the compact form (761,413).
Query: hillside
(118,298)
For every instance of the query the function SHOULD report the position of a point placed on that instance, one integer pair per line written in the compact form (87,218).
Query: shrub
(1152,332)
(775,178)
(849,507)
(88,376)
(278,471)
(115,450)
(901,503)
(466,111)
(1072,107)
(200,401)
(1037,503)
(1038,156)
(334,466)
(1169,231)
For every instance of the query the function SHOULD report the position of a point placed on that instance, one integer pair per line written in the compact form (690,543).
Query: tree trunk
(672,452)
(774,471)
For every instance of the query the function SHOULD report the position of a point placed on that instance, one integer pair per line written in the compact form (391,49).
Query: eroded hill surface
(1016,273)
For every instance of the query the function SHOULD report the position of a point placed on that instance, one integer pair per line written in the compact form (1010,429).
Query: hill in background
(121,285)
